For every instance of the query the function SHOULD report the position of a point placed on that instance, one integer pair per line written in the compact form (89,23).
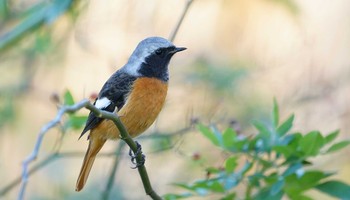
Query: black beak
(178,49)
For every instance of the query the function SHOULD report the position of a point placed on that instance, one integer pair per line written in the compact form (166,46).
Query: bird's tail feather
(94,147)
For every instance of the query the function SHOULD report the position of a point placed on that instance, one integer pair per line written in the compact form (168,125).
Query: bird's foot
(134,155)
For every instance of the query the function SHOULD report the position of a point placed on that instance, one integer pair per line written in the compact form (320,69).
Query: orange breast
(140,110)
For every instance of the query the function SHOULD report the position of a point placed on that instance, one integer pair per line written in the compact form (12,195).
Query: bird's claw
(134,155)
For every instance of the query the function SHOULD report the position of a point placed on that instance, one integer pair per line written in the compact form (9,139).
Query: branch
(99,113)
(176,29)
(35,168)
(131,143)
(110,182)
(73,154)
(41,135)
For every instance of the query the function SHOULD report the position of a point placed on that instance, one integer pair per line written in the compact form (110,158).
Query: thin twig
(46,161)
(176,29)
(100,113)
(110,182)
(72,154)
(131,143)
(42,164)
(38,143)
(35,168)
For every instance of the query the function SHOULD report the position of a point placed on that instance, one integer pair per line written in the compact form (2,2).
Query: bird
(136,93)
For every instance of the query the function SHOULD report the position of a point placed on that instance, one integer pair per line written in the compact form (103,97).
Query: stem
(176,29)
(110,182)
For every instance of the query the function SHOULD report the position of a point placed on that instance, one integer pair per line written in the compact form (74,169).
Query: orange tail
(94,147)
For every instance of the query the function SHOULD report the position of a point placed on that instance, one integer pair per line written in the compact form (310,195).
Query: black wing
(116,90)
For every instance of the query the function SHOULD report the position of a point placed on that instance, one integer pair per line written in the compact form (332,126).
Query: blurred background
(241,54)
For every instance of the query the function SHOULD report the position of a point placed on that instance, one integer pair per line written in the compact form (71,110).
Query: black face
(156,64)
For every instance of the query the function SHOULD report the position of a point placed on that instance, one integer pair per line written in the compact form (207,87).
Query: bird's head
(151,58)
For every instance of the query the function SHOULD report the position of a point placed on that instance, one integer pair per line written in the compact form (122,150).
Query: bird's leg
(134,155)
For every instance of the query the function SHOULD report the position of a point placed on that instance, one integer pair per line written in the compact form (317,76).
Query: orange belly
(140,110)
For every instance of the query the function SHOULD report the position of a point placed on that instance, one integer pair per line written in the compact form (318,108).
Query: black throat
(156,66)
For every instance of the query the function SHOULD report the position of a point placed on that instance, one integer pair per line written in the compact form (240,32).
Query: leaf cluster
(272,164)
(27,21)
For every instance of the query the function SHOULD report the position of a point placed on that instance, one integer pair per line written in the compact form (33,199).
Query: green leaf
(311,178)
(255,179)
(277,187)
(204,186)
(264,194)
(213,170)
(76,122)
(295,185)
(177,196)
(216,187)
(262,128)
(266,164)
(34,18)
(338,146)
(286,126)
(336,189)
(68,98)
(311,143)
(275,113)
(3,9)
(293,152)
(271,178)
(330,137)
(240,145)
(292,169)
(208,134)
(288,139)
(27,25)
(229,197)
(217,133)
(301,197)
(286,151)
(231,164)
(229,138)
(185,186)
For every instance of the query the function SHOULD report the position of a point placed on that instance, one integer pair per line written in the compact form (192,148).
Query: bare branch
(100,113)
(176,29)
(38,143)
(110,182)
(72,154)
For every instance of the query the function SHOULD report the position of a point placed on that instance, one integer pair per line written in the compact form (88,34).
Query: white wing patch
(102,103)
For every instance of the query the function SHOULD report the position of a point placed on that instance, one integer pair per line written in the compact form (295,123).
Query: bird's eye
(159,51)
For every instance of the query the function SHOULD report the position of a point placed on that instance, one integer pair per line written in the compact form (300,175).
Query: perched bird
(136,92)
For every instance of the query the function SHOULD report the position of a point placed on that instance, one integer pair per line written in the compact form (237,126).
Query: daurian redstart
(136,92)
